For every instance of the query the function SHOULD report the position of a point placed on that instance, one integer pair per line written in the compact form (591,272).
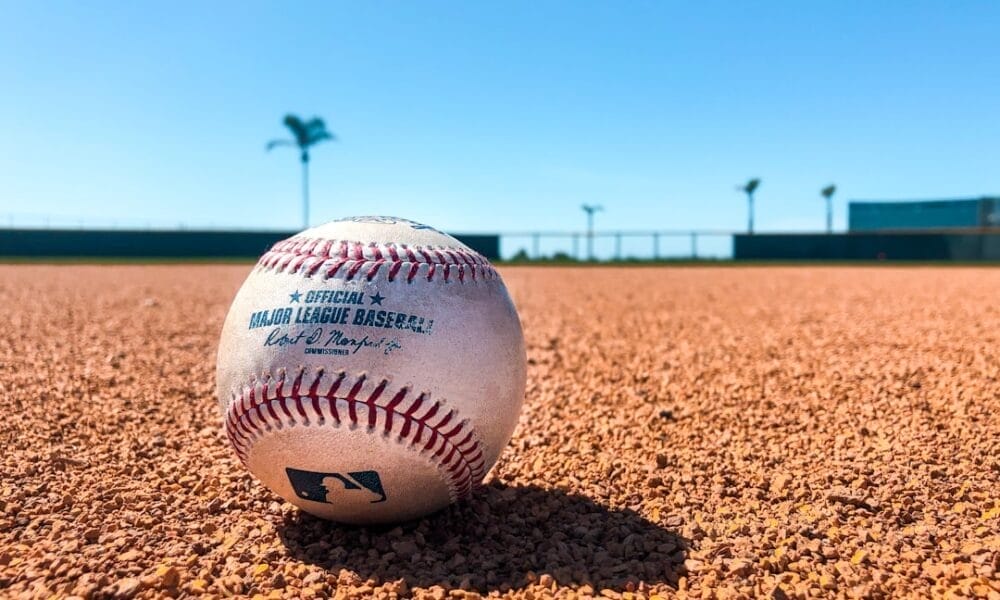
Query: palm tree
(749,188)
(306,134)
(827,193)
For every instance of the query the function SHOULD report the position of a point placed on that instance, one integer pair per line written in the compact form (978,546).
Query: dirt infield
(689,432)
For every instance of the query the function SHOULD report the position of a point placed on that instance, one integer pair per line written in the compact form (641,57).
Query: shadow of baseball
(503,538)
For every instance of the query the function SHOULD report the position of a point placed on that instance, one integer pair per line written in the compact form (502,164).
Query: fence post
(576,246)
(656,246)
(535,251)
(694,244)
(618,245)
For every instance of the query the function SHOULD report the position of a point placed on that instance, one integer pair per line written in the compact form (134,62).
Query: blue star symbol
(377,299)
(295,296)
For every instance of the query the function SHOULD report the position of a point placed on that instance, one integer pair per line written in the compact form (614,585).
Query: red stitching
(374,270)
(355,268)
(327,246)
(309,256)
(336,266)
(450,443)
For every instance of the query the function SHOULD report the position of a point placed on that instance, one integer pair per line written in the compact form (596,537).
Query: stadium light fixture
(590,209)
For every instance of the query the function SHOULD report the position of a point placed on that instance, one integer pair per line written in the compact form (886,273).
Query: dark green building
(972,213)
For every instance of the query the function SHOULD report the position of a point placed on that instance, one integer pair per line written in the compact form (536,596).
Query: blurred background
(548,130)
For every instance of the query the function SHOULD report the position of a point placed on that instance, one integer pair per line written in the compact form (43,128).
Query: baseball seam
(310,256)
(425,426)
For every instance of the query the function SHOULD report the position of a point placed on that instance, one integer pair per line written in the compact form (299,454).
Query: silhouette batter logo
(325,487)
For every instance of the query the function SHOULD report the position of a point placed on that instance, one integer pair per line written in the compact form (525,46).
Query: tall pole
(590,209)
(827,194)
(590,235)
(305,190)
(749,188)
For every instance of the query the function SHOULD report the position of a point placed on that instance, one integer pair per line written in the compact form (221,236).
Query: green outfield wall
(174,244)
(959,246)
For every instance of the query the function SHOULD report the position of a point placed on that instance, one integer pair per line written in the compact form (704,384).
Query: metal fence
(534,245)
(24,220)
(618,245)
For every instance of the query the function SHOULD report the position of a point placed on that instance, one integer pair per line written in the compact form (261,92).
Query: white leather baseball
(371,370)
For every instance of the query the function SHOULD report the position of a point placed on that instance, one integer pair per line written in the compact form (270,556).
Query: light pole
(827,193)
(590,209)
(749,188)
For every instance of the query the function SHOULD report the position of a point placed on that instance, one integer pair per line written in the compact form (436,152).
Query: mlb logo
(329,488)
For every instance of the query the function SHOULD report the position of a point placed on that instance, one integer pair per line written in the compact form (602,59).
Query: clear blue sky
(485,116)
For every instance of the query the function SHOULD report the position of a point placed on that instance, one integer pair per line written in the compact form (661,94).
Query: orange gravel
(688,432)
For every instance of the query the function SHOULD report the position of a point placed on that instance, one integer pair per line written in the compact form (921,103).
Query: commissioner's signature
(335,339)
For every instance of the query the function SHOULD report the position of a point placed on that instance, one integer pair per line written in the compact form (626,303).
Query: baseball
(371,370)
